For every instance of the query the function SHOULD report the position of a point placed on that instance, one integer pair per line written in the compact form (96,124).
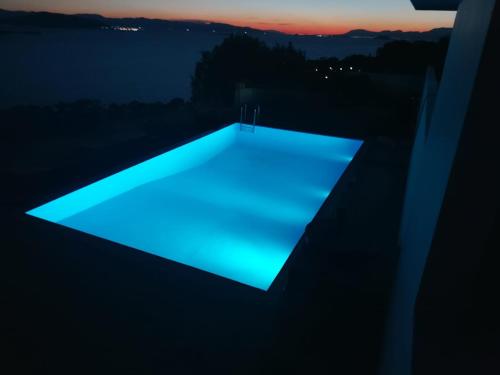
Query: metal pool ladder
(243,115)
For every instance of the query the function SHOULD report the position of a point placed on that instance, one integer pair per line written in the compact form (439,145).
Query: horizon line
(208,21)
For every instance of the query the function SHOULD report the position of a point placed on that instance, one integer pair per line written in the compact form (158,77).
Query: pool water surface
(233,203)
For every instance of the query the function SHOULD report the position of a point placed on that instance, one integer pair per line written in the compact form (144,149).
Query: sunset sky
(292,16)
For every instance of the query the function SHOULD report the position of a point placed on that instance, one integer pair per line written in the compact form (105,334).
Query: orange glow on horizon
(301,27)
(290,23)
(326,29)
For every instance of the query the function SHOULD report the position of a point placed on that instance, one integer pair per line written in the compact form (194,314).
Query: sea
(52,66)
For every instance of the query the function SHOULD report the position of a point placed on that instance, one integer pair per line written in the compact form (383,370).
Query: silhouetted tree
(402,57)
(243,59)
(411,57)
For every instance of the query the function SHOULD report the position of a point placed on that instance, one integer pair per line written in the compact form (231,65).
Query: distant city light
(331,68)
(316,69)
(326,77)
(350,67)
(123,28)
(188,29)
(341,69)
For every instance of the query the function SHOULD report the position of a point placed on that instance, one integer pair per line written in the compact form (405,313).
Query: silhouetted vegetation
(385,88)
(89,119)
(242,59)
(247,60)
(398,57)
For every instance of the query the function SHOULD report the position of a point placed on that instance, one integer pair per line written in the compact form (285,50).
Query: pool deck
(77,302)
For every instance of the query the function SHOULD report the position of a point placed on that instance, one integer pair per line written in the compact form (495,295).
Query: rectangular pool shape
(233,203)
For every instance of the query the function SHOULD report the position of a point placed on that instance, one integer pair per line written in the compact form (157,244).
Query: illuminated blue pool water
(234,203)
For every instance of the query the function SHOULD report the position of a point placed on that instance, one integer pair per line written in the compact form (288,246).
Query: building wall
(457,328)
(433,159)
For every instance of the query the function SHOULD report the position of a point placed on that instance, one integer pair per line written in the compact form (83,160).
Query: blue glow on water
(233,203)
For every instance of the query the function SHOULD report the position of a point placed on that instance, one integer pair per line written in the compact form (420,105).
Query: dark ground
(74,303)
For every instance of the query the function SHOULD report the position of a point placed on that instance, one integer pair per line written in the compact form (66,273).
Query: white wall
(431,165)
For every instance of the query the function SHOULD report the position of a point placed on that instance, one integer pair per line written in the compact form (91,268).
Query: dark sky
(294,16)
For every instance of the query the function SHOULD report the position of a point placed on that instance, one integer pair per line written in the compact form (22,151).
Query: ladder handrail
(243,118)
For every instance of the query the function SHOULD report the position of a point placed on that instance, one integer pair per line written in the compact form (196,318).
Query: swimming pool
(233,203)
